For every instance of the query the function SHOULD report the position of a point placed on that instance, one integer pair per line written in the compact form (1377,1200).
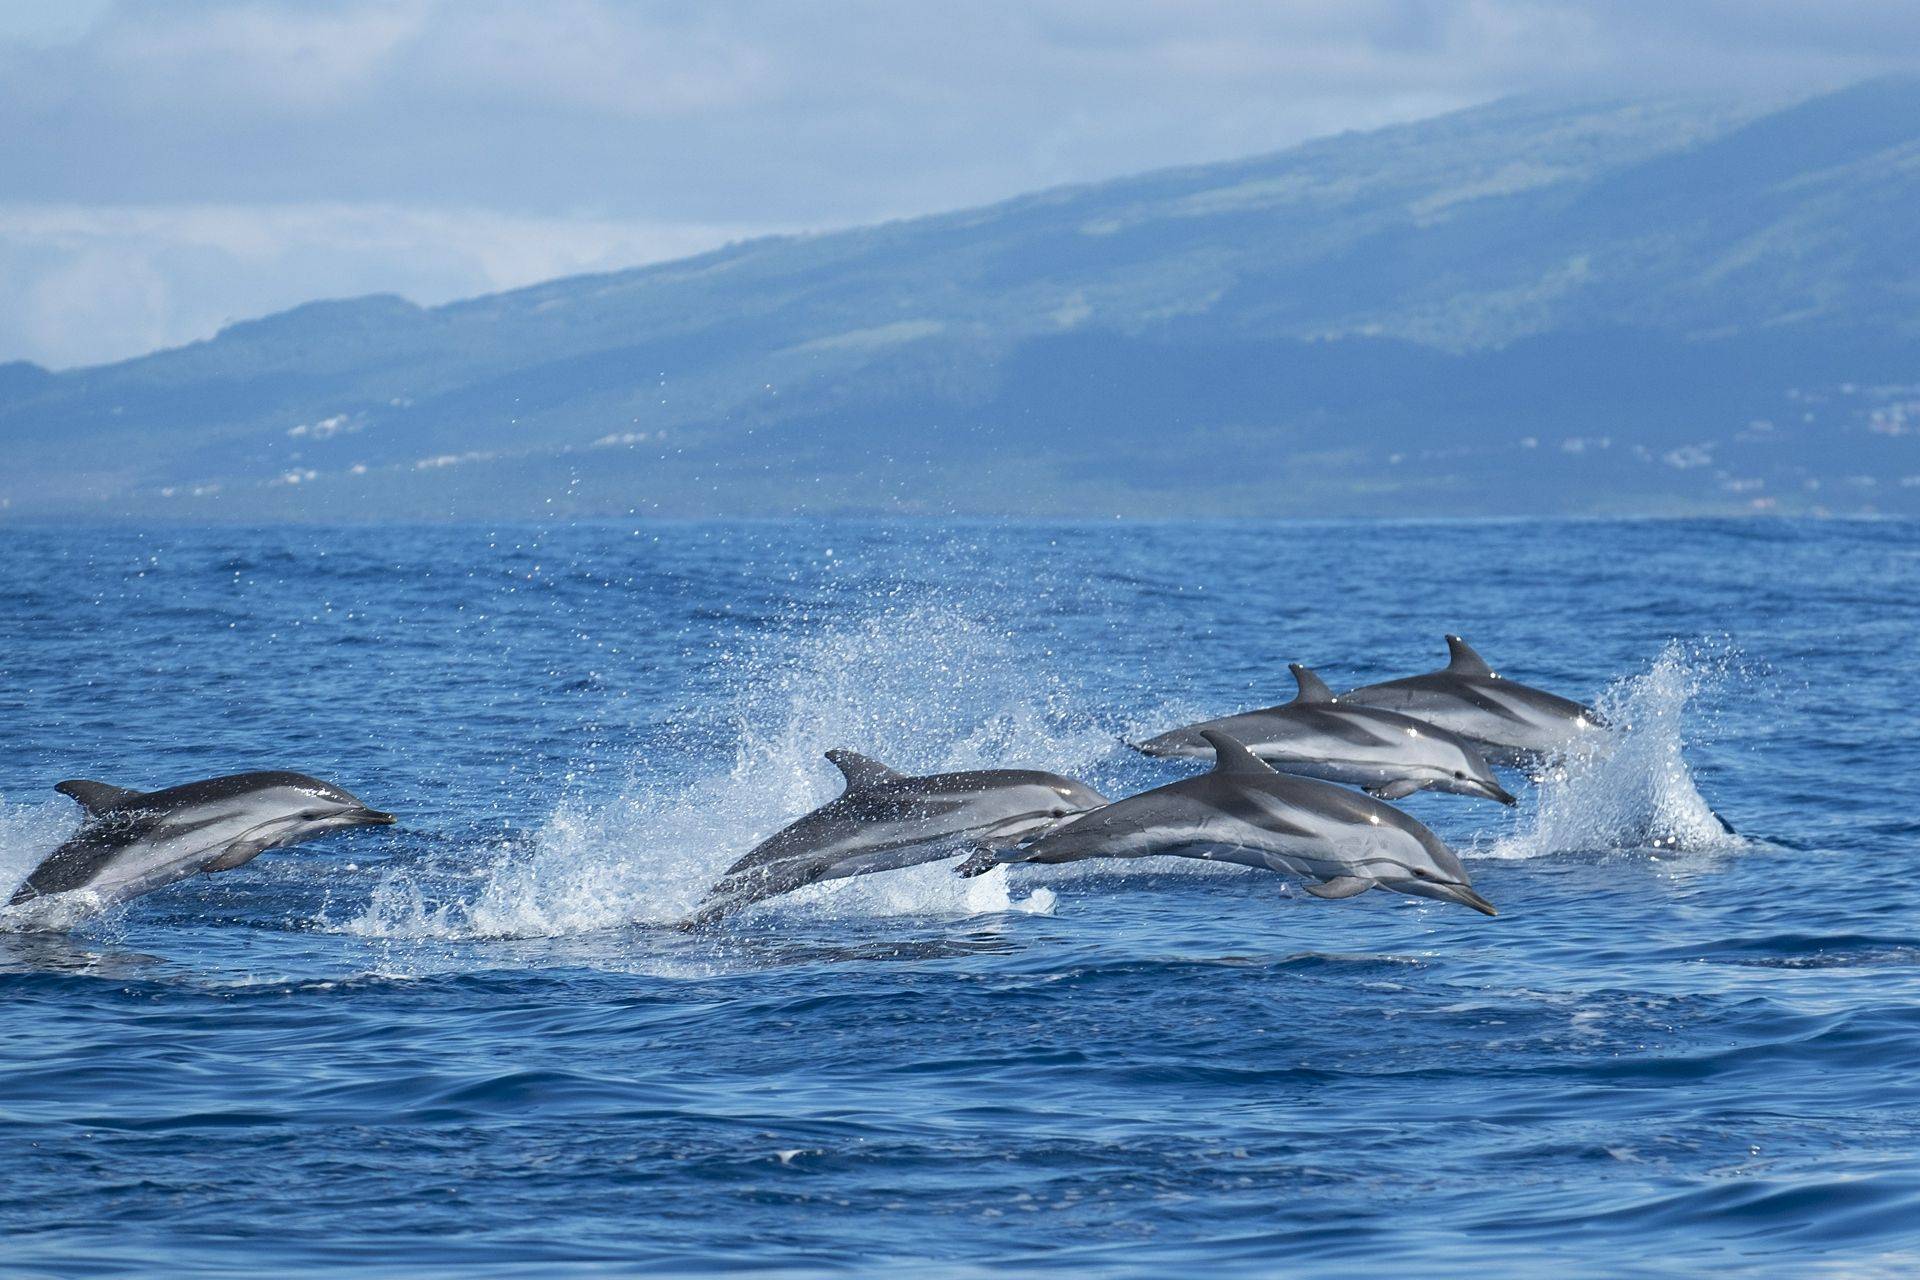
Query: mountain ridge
(1317,315)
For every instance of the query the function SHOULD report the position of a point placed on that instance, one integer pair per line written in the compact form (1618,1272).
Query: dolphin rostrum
(1244,812)
(1511,722)
(1320,736)
(133,842)
(885,820)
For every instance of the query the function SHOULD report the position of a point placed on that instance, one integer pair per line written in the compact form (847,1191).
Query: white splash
(28,833)
(923,687)
(1631,788)
(932,889)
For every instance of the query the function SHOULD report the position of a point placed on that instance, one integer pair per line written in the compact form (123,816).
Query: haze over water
(467,1043)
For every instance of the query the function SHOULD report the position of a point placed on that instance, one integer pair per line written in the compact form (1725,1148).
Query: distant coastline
(1528,309)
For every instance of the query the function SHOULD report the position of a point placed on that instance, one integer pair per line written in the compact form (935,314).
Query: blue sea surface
(472,1044)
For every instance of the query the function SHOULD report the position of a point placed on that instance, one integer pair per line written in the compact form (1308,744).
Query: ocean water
(472,1044)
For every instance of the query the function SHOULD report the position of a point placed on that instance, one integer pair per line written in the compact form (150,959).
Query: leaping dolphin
(1320,736)
(886,820)
(1511,722)
(1244,812)
(135,842)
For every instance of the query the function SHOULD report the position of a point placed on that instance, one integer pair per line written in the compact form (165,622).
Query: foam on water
(28,833)
(922,686)
(1631,788)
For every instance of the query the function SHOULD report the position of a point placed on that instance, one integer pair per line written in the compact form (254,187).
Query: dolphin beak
(1494,791)
(1487,789)
(1445,891)
(1466,897)
(374,818)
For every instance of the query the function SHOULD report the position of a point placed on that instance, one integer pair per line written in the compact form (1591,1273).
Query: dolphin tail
(703,916)
(713,908)
(982,861)
(1166,747)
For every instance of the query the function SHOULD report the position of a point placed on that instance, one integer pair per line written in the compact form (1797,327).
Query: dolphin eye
(1460,774)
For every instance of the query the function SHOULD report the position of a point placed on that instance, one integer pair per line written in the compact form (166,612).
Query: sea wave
(1631,788)
(924,686)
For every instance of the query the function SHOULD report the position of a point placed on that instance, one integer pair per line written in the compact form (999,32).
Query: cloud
(614,124)
(88,284)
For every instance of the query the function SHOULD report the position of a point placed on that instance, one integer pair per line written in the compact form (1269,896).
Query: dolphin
(1319,736)
(1511,722)
(1244,812)
(885,820)
(134,842)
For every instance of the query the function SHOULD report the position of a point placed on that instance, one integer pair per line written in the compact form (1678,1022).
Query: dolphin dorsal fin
(1312,687)
(96,797)
(1229,756)
(861,771)
(1464,661)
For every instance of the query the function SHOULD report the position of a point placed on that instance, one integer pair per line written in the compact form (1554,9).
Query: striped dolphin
(1320,736)
(134,842)
(886,820)
(1342,842)
(1512,722)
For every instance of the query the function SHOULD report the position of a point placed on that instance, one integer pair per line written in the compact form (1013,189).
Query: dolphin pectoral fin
(96,797)
(1398,789)
(238,856)
(1339,887)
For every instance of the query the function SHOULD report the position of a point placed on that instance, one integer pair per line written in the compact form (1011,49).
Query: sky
(168,168)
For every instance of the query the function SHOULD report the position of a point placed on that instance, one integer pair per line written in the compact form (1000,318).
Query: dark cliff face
(1534,307)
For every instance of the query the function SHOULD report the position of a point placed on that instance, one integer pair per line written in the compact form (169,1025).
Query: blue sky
(168,167)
